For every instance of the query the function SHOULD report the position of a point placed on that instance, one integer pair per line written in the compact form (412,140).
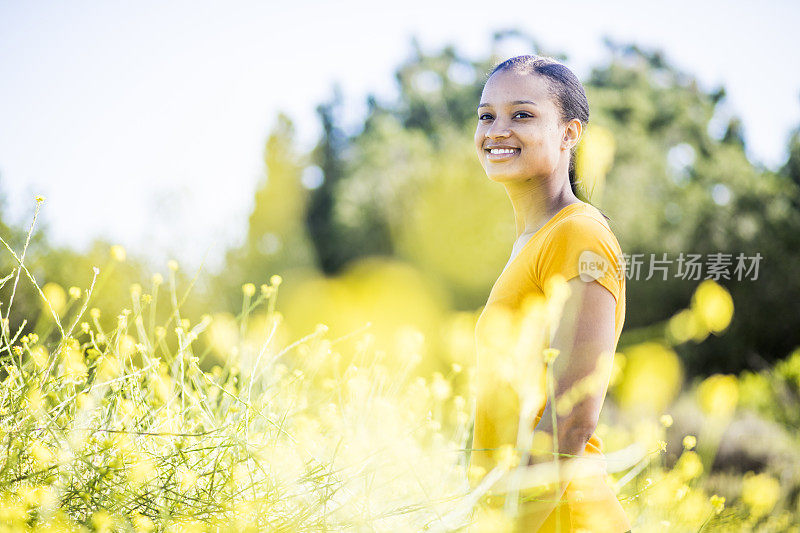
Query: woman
(532,113)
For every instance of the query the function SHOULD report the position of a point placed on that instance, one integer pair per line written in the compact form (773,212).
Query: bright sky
(145,121)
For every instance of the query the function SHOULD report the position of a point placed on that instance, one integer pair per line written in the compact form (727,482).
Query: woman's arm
(585,340)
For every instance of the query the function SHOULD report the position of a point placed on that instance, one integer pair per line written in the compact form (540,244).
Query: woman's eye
(484,116)
(526,115)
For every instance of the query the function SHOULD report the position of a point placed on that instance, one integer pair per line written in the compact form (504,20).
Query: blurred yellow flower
(760,492)
(689,442)
(39,355)
(41,454)
(127,345)
(550,354)
(35,402)
(157,279)
(141,471)
(713,304)
(686,325)
(118,253)
(440,387)
(108,368)
(142,523)
(223,332)
(172,265)
(689,465)
(74,292)
(275,280)
(136,290)
(718,503)
(74,367)
(651,378)
(248,289)
(718,395)
(507,456)
(666,420)
(56,296)
(594,157)
(102,521)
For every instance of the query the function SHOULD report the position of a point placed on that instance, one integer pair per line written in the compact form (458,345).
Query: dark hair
(565,89)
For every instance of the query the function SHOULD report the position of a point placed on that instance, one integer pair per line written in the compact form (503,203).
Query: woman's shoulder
(583,221)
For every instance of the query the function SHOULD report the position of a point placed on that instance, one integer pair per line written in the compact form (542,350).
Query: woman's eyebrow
(515,102)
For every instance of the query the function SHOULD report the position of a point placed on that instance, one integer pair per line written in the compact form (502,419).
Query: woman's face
(518,117)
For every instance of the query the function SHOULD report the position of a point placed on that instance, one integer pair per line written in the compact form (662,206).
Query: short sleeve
(582,246)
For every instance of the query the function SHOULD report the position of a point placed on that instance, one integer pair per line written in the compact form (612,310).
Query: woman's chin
(504,178)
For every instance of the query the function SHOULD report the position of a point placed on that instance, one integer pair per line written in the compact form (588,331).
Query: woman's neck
(535,202)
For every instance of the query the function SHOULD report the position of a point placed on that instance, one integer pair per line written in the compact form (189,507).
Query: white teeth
(502,150)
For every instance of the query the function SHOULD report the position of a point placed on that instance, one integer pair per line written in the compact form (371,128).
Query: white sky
(145,121)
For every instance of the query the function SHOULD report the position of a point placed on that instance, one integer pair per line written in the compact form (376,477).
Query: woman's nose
(498,129)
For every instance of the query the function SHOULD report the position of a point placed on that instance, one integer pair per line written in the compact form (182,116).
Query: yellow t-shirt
(576,242)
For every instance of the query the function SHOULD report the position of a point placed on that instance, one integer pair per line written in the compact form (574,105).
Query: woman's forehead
(505,87)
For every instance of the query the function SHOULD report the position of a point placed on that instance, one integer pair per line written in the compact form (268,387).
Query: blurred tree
(676,189)
(340,233)
(276,240)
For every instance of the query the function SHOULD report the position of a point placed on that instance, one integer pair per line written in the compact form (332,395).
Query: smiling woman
(532,113)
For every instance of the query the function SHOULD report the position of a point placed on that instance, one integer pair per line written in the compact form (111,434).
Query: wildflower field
(216,423)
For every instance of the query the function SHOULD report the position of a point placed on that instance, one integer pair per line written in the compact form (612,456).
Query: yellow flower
(56,296)
(141,472)
(662,445)
(74,366)
(593,159)
(689,442)
(74,292)
(689,465)
(440,387)
(760,492)
(39,355)
(94,312)
(172,265)
(41,454)
(550,354)
(157,279)
(35,402)
(118,253)
(685,325)
(652,377)
(714,305)
(476,473)
(718,395)
(40,199)
(275,280)
(248,289)
(666,420)
(507,456)
(102,521)
(718,503)
(142,523)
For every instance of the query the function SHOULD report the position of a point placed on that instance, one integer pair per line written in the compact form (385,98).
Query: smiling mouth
(501,154)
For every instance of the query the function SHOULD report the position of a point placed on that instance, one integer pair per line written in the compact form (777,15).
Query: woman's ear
(572,134)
